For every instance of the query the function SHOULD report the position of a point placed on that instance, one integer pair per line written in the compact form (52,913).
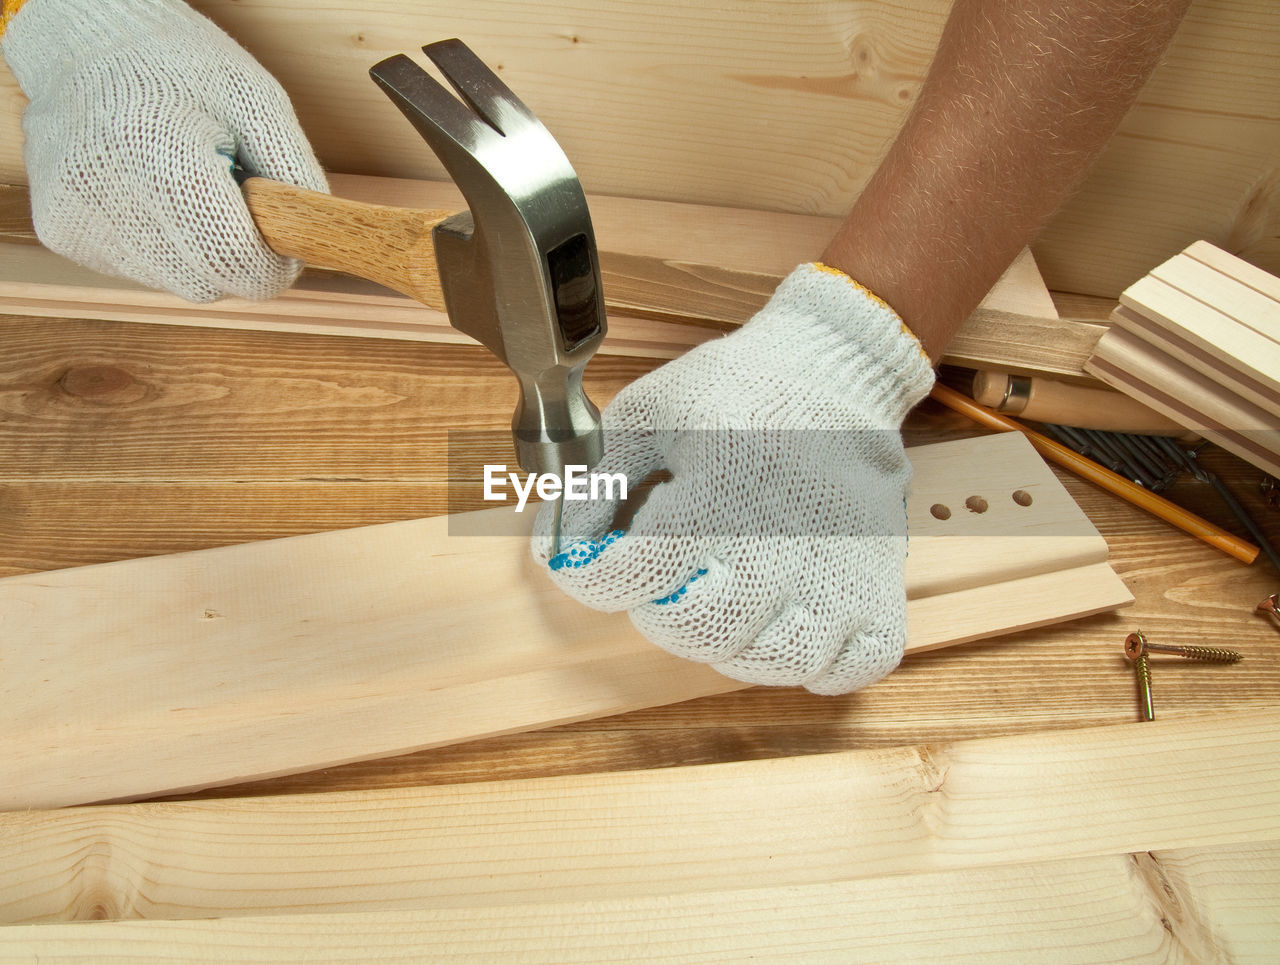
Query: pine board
(964,806)
(1180,392)
(1242,271)
(1198,339)
(1197,320)
(314,434)
(1224,377)
(333,647)
(1091,911)
(663,293)
(786,106)
(1213,312)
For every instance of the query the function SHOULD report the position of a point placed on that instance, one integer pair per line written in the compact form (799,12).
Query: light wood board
(1195,783)
(1110,909)
(1179,391)
(1195,321)
(1216,313)
(1198,339)
(664,292)
(784,105)
(133,678)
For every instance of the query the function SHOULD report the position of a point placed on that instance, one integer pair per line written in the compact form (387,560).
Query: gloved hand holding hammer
(138,110)
(775,552)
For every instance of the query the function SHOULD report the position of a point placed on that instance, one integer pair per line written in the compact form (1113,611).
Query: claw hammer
(518,272)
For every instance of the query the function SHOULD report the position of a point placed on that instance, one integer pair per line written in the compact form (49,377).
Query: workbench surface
(123,440)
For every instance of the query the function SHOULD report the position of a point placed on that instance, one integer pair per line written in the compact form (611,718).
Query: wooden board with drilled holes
(210,667)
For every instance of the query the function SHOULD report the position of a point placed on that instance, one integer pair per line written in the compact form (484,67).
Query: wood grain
(1091,910)
(663,293)
(1253,355)
(859,815)
(460,637)
(1160,381)
(785,106)
(391,246)
(317,433)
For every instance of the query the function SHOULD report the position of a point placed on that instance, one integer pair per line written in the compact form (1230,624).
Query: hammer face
(520,272)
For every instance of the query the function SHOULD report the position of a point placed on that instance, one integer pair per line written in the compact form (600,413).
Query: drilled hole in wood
(1022,497)
(976,504)
(939,511)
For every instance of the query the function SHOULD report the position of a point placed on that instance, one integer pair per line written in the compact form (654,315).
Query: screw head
(1134,645)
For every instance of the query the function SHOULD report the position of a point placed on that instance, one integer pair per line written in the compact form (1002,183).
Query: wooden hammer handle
(391,246)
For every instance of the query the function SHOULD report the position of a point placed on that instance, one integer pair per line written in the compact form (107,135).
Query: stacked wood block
(1198,339)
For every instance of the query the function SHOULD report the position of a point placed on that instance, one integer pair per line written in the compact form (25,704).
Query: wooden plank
(35,282)
(459,636)
(87,480)
(646,246)
(1237,268)
(785,107)
(1056,347)
(1154,378)
(745,242)
(1249,308)
(788,822)
(1091,910)
(663,294)
(1223,900)
(1227,378)
(1212,332)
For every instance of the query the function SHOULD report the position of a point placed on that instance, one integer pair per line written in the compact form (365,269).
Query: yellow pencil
(1069,459)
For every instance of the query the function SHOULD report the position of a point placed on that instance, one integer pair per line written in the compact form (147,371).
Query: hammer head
(519,270)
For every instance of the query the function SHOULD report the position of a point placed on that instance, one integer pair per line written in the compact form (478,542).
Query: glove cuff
(8,10)
(857,331)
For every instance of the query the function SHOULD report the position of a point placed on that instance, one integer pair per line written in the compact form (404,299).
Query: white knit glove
(137,109)
(776,551)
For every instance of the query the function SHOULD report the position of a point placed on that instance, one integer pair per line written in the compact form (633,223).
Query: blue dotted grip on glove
(585,551)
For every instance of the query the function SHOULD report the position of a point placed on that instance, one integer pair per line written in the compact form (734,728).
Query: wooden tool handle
(1066,404)
(391,246)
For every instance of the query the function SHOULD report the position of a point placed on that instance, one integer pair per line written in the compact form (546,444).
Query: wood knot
(103,384)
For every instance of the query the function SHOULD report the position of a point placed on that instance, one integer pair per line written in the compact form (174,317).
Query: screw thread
(1142,670)
(1212,654)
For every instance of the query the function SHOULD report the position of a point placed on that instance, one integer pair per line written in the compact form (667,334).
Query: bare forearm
(1020,99)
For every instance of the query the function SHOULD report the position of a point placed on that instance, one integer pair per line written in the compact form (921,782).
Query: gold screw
(1268,606)
(1142,670)
(1136,647)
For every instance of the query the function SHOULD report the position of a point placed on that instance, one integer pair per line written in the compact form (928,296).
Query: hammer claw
(519,271)
(479,87)
(444,123)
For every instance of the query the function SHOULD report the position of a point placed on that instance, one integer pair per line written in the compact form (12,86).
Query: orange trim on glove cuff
(875,298)
(8,8)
